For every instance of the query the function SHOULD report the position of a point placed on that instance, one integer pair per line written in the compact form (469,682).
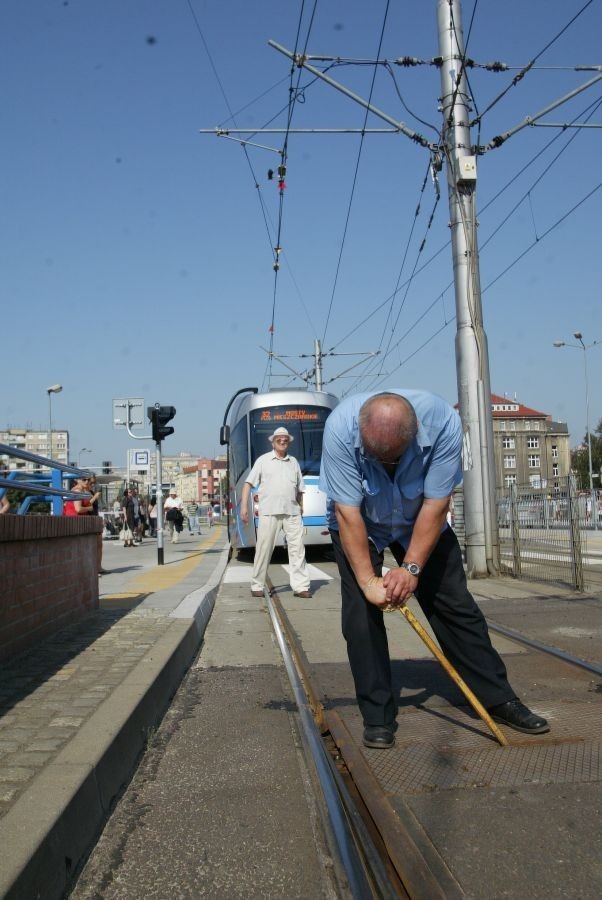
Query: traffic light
(159,417)
(107,467)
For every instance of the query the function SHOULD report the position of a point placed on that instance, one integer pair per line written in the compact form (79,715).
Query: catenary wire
(530,64)
(357,164)
(293,94)
(511,181)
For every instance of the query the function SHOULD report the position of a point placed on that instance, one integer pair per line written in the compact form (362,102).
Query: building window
(534,461)
(533,443)
(554,451)
(502,426)
(555,469)
(509,480)
(510,462)
(535,481)
(508,443)
(512,425)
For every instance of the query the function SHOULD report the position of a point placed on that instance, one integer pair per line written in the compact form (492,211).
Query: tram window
(305,424)
(239,450)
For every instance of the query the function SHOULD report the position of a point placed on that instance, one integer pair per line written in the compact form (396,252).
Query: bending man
(390,462)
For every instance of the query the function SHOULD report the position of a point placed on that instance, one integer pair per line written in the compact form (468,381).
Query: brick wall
(48,576)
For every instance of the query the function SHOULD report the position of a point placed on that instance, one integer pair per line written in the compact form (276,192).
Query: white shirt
(280,480)
(171,502)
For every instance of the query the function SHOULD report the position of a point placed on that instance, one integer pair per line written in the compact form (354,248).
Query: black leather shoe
(515,715)
(380,737)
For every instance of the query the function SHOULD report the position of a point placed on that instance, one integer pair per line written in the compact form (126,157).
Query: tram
(249,420)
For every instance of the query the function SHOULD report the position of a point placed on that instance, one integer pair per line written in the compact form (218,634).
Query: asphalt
(232,796)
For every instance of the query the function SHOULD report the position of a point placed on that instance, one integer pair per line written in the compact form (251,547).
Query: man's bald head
(388,425)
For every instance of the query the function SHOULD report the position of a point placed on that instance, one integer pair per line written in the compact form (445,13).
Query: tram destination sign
(288,414)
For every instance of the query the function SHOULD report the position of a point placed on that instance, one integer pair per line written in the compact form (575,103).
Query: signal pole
(472,357)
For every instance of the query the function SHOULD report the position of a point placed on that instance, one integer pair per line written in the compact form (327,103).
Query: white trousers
(267,533)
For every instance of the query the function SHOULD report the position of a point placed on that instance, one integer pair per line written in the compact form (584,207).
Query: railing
(40,487)
(551,536)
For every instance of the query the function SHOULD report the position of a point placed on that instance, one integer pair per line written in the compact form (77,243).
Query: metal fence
(551,536)
(43,485)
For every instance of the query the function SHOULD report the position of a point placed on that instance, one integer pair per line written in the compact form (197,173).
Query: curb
(48,832)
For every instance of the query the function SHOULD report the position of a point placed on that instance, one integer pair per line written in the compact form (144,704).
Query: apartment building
(38,442)
(529,448)
(210,477)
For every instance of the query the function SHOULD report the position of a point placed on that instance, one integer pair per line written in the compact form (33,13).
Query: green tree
(580,459)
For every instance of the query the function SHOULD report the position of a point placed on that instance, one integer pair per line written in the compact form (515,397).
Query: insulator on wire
(270,174)
(282,171)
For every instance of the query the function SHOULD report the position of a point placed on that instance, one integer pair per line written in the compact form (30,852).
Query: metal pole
(50,422)
(472,360)
(318,357)
(589,440)
(159,504)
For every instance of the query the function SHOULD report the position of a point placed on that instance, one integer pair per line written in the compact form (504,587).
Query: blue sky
(134,251)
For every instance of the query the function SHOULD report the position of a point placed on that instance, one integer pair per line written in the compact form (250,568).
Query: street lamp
(585,347)
(53,389)
(79,456)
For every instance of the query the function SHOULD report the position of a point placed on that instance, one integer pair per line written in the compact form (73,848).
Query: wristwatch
(413,568)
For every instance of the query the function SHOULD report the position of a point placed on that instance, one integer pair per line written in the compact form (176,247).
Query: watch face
(412,568)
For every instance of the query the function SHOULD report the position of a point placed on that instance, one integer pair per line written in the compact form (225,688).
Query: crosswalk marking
(314,573)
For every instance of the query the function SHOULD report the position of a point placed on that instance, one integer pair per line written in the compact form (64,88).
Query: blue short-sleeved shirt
(430,468)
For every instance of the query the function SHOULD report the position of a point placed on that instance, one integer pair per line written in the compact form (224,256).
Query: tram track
(548,649)
(383,854)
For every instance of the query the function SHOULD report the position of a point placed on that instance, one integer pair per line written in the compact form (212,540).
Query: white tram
(249,420)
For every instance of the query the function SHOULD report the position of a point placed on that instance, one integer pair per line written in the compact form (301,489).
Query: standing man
(281,490)
(390,462)
(174,515)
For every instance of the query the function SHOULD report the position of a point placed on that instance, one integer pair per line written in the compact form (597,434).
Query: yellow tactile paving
(166,576)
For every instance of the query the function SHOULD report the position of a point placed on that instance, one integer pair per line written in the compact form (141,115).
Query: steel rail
(345,845)
(545,648)
(415,867)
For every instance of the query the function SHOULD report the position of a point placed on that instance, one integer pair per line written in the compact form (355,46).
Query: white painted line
(238,575)
(314,573)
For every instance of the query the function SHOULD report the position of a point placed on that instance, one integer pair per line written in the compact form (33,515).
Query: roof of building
(514,409)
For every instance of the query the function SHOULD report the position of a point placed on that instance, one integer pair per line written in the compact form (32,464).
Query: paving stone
(15,774)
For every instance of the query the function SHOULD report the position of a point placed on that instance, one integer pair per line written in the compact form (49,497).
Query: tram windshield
(304,423)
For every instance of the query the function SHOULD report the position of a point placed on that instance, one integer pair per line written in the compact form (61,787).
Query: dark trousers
(452,613)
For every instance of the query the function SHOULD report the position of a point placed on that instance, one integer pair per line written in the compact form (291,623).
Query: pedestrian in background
(152,516)
(281,489)
(174,514)
(127,513)
(192,514)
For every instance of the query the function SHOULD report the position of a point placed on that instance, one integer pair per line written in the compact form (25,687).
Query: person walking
(127,514)
(192,514)
(152,516)
(174,514)
(281,489)
(390,462)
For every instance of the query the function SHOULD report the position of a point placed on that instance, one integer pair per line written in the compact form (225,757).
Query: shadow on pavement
(22,675)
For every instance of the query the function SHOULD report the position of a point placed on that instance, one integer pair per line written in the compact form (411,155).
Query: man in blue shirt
(390,462)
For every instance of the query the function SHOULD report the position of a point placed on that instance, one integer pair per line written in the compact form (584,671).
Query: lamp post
(584,348)
(79,456)
(53,389)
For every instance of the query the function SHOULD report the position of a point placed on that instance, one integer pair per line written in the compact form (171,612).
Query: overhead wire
(355,175)
(521,74)
(293,93)
(590,108)
(490,284)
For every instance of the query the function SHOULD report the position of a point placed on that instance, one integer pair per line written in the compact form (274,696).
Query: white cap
(281,432)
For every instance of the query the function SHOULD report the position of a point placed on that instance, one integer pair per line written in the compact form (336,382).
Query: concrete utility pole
(472,359)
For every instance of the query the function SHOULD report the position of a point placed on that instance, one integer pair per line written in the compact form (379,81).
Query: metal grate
(445,751)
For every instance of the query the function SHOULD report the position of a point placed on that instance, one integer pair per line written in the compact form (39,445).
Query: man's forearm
(354,539)
(427,530)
